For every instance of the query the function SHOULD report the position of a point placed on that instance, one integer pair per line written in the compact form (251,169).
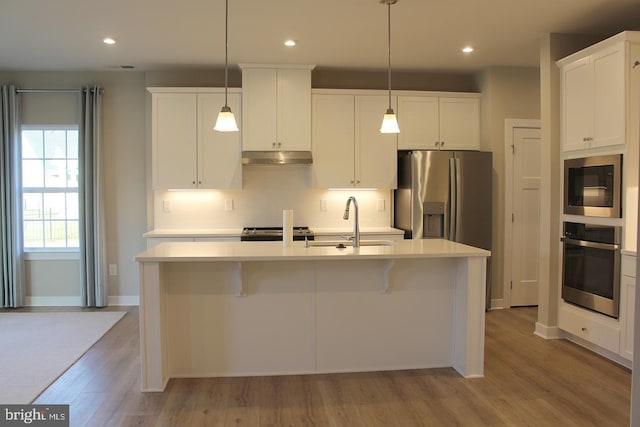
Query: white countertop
(275,251)
(194,232)
(319,231)
(236,232)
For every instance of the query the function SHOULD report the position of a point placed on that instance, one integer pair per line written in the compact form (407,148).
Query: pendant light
(389,121)
(226,121)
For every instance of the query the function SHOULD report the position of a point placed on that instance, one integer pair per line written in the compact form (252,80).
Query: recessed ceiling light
(109,40)
(468,49)
(290,43)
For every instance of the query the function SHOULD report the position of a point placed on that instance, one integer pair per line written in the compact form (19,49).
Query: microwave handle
(587,244)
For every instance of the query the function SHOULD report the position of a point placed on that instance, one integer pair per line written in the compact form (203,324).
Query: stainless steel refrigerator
(445,194)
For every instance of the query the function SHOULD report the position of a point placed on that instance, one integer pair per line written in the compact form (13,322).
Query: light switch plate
(323,205)
(166,206)
(380,205)
(228,205)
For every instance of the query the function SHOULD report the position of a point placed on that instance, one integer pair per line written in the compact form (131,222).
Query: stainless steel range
(268,234)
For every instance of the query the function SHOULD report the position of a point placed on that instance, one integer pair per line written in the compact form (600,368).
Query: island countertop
(276,251)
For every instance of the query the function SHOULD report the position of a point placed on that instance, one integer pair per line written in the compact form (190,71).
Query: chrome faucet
(356,222)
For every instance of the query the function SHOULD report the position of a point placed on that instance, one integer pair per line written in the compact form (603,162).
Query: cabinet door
(259,97)
(459,123)
(219,153)
(577,105)
(294,110)
(418,119)
(333,132)
(174,140)
(376,153)
(608,97)
(627,315)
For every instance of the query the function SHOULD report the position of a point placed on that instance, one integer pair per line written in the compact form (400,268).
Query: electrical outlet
(323,205)
(380,205)
(166,206)
(113,269)
(228,205)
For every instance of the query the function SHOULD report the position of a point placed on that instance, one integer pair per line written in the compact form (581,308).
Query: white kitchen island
(259,308)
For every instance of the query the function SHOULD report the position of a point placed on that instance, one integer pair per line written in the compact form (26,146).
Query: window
(50,187)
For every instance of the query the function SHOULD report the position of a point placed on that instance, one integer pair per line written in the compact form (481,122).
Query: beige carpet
(36,348)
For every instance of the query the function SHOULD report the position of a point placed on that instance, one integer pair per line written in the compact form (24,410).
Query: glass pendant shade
(226,121)
(389,122)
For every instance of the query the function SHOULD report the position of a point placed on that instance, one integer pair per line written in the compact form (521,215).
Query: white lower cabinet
(589,326)
(627,305)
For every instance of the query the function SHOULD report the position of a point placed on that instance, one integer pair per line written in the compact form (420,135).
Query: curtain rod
(46,90)
(51,90)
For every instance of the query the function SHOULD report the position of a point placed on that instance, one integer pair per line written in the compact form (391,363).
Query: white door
(526,217)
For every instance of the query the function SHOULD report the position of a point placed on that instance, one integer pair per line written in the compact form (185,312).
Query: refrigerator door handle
(453,199)
(458,201)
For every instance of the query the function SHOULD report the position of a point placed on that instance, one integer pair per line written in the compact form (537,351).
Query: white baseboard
(497,304)
(548,332)
(66,301)
(124,300)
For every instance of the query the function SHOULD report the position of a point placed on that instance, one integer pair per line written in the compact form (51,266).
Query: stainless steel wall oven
(592,186)
(591,267)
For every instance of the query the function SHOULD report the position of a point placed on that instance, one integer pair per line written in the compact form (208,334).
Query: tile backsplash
(266,192)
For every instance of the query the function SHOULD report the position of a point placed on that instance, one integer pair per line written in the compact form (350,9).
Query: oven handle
(588,244)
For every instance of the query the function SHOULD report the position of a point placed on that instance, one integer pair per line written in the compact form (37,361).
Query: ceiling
(345,34)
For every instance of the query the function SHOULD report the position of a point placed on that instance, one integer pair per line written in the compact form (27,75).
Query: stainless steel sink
(347,243)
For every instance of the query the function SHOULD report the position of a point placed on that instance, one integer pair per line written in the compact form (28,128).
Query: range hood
(276,157)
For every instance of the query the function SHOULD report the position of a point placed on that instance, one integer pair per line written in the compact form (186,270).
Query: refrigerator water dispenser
(433,219)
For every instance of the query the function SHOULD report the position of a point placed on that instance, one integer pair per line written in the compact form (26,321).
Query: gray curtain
(12,272)
(92,220)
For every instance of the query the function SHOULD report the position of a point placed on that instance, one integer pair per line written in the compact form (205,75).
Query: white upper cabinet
(376,160)
(333,130)
(348,149)
(186,151)
(276,108)
(429,122)
(593,100)
(174,129)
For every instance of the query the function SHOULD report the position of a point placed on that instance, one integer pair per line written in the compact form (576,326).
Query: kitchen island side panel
(212,331)
(360,327)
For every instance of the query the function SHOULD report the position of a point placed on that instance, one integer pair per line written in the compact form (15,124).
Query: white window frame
(55,253)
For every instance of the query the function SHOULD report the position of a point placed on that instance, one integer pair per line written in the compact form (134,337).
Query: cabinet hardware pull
(583,329)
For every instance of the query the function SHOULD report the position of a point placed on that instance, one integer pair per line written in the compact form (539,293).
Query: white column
(468,318)
(152,360)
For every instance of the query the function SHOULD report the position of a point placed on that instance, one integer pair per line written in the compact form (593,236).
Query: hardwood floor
(528,381)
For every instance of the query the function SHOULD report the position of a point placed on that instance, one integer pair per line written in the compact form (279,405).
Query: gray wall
(124,159)
(507,93)
(127,145)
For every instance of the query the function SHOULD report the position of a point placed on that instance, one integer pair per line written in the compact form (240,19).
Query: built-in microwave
(592,186)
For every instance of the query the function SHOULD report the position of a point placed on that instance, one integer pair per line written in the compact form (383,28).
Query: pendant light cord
(389,51)
(226,48)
